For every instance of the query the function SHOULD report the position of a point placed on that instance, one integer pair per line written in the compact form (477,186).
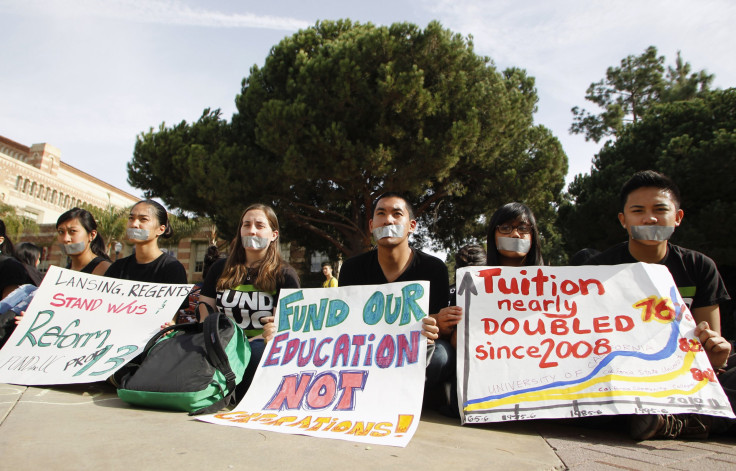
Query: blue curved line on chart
(669,348)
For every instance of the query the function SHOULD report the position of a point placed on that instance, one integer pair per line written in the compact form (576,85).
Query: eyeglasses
(508,228)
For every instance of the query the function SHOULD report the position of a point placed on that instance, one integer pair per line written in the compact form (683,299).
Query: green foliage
(184,227)
(111,223)
(343,111)
(629,90)
(15,224)
(694,143)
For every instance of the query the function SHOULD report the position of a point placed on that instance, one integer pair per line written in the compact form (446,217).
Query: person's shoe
(648,427)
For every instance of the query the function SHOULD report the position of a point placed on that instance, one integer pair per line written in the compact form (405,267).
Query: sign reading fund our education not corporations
(81,328)
(564,342)
(346,363)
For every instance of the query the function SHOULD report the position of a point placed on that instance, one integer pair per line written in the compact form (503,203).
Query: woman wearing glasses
(513,237)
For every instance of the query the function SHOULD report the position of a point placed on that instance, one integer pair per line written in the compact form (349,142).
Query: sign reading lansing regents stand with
(554,342)
(81,328)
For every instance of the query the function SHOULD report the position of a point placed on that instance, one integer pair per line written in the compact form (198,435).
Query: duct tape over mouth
(255,242)
(394,230)
(652,232)
(73,248)
(513,244)
(137,234)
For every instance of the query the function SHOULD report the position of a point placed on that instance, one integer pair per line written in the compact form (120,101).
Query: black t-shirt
(90,267)
(696,276)
(12,273)
(364,269)
(165,269)
(246,304)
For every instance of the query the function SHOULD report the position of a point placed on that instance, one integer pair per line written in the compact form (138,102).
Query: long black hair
(6,247)
(509,213)
(89,224)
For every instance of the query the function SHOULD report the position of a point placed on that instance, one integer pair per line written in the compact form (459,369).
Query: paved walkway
(87,427)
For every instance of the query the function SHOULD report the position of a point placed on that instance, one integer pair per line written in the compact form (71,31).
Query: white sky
(88,76)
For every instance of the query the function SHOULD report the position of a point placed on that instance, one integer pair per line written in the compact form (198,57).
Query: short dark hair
(508,213)
(327,264)
(393,194)
(649,178)
(470,256)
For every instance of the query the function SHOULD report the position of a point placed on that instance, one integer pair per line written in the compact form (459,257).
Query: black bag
(194,370)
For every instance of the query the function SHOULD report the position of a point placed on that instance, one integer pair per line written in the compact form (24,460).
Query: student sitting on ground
(650,212)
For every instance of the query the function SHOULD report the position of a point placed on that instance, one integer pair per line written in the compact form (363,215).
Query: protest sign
(554,342)
(81,328)
(346,363)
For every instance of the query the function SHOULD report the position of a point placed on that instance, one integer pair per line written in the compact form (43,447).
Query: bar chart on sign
(567,342)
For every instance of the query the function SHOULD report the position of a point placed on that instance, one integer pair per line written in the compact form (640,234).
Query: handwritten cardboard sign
(346,363)
(81,328)
(553,342)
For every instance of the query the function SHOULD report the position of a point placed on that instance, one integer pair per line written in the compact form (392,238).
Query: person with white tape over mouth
(513,237)
(147,222)
(76,233)
(246,286)
(650,214)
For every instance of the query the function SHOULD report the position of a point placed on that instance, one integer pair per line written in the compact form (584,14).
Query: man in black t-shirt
(392,260)
(650,212)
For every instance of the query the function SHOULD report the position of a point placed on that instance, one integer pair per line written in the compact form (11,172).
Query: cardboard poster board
(564,342)
(346,363)
(81,328)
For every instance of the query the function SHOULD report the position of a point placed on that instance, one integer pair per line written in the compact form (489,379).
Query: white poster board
(346,363)
(564,342)
(81,328)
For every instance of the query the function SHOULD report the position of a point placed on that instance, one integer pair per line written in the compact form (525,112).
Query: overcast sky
(88,76)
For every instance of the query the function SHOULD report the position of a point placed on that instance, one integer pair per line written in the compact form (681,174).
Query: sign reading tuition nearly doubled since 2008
(346,363)
(565,342)
(81,328)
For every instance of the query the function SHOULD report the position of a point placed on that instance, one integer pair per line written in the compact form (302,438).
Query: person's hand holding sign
(447,319)
(716,347)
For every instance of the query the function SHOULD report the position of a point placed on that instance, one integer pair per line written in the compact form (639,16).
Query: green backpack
(194,370)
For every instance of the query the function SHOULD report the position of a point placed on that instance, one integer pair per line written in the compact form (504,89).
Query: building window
(200,250)
(18,182)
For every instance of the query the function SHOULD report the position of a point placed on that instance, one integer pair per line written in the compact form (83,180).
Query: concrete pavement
(87,427)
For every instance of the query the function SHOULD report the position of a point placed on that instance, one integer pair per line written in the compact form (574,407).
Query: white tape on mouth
(73,248)
(652,232)
(513,244)
(254,242)
(137,234)
(394,230)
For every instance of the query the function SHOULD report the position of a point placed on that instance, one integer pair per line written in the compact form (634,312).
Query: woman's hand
(19,317)
(269,328)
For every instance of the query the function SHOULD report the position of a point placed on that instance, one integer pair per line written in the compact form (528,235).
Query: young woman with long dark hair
(76,232)
(246,285)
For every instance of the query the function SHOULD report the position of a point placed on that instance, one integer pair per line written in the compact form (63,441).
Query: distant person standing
(330,281)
